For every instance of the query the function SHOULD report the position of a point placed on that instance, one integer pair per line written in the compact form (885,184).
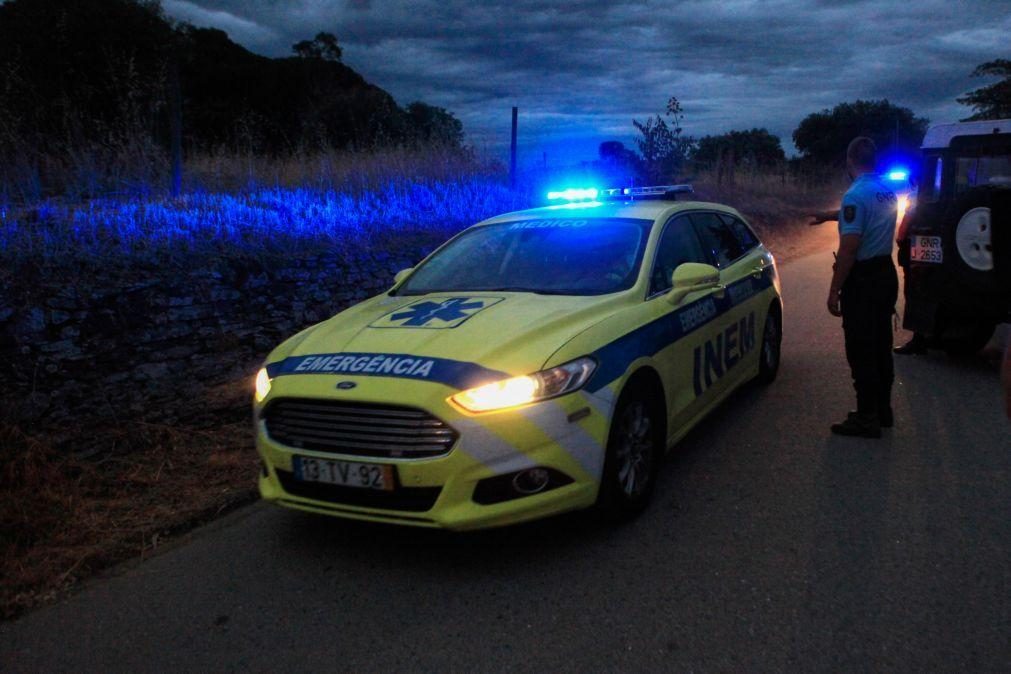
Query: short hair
(862,152)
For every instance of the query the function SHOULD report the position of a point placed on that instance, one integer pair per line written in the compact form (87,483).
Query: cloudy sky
(581,70)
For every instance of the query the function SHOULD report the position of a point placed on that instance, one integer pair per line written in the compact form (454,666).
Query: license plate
(344,473)
(926,249)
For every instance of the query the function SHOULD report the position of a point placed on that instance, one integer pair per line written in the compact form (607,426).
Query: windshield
(590,256)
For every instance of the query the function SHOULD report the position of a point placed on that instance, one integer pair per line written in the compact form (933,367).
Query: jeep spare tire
(974,239)
(968,241)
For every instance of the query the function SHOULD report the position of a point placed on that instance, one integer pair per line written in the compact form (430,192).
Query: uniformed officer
(864,290)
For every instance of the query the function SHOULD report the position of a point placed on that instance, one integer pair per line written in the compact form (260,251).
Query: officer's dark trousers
(868,301)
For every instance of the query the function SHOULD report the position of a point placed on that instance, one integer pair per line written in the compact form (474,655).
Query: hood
(513,333)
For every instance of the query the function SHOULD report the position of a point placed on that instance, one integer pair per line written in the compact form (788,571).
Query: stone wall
(132,344)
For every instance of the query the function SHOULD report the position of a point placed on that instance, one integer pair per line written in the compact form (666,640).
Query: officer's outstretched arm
(824,216)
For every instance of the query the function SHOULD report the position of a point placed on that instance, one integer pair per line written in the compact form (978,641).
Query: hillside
(93,90)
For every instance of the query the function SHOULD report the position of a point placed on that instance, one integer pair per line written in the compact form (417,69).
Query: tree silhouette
(323,47)
(756,147)
(994,100)
(435,125)
(823,136)
(663,146)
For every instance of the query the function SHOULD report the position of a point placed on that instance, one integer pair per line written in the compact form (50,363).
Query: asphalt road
(771,545)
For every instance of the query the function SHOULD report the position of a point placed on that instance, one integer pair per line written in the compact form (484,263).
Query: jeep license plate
(926,249)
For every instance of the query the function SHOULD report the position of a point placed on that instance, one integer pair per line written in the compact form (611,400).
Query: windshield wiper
(518,289)
(502,289)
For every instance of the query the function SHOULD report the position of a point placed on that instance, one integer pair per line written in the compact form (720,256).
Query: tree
(434,125)
(994,100)
(656,146)
(823,136)
(322,47)
(683,145)
(663,147)
(753,148)
(618,164)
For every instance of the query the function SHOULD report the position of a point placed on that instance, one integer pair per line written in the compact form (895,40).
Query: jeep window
(981,171)
(930,189)
(564,256)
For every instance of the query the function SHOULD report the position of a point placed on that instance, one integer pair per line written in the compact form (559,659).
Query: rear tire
(634,448)
(969,340)
(772,346)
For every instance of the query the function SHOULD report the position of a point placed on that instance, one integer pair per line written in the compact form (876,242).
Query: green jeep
(958,251)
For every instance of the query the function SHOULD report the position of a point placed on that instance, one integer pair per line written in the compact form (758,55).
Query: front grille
(384,431)
(410,499)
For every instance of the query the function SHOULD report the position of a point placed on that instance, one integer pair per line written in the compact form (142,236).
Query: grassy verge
(62,518)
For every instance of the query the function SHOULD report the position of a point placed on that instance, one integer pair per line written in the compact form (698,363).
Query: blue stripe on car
(651,338)
(456,373)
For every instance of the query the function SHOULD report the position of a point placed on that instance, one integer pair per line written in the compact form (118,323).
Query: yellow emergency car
(538,362)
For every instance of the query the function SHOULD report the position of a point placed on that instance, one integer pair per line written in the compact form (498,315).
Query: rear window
(982,171)
(930,185)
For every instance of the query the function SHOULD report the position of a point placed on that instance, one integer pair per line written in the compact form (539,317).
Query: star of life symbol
(448,311)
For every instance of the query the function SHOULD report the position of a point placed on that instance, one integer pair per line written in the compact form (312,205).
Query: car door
(686,324)
(733,345)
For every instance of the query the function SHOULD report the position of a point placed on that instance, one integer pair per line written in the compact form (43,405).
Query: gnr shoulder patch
(849,213)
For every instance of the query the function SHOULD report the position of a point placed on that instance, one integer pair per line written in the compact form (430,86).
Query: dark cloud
(581,71)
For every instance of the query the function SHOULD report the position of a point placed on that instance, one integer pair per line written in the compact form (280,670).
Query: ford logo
(345,385)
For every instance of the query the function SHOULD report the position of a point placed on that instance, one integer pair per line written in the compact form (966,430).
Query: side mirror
(691,277)
(401,275)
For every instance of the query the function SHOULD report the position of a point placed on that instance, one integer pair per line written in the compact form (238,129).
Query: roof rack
(650,192)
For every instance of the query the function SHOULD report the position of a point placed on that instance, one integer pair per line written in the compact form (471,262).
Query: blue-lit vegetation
(346,212)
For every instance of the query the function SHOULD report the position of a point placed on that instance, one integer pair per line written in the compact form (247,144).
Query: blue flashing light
(898,175)
(574,194)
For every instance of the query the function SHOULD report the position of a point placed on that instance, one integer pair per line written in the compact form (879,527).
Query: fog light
(531,481)
(523,483)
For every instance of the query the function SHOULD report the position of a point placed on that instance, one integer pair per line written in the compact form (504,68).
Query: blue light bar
(650,192)
(898,175)
(574,194)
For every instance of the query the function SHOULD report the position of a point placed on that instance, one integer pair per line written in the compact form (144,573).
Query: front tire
(634,448)
(772,346)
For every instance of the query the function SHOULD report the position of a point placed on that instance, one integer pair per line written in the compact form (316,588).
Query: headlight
(262,384)
(528,388)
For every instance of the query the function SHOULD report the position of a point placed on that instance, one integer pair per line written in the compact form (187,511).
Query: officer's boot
(915,346)
(885,416)
(859,425)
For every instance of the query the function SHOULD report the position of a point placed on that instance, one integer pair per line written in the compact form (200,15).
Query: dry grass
(778,207)
(63,519)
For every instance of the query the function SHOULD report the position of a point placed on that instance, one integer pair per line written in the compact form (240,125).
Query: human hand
(833,302)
